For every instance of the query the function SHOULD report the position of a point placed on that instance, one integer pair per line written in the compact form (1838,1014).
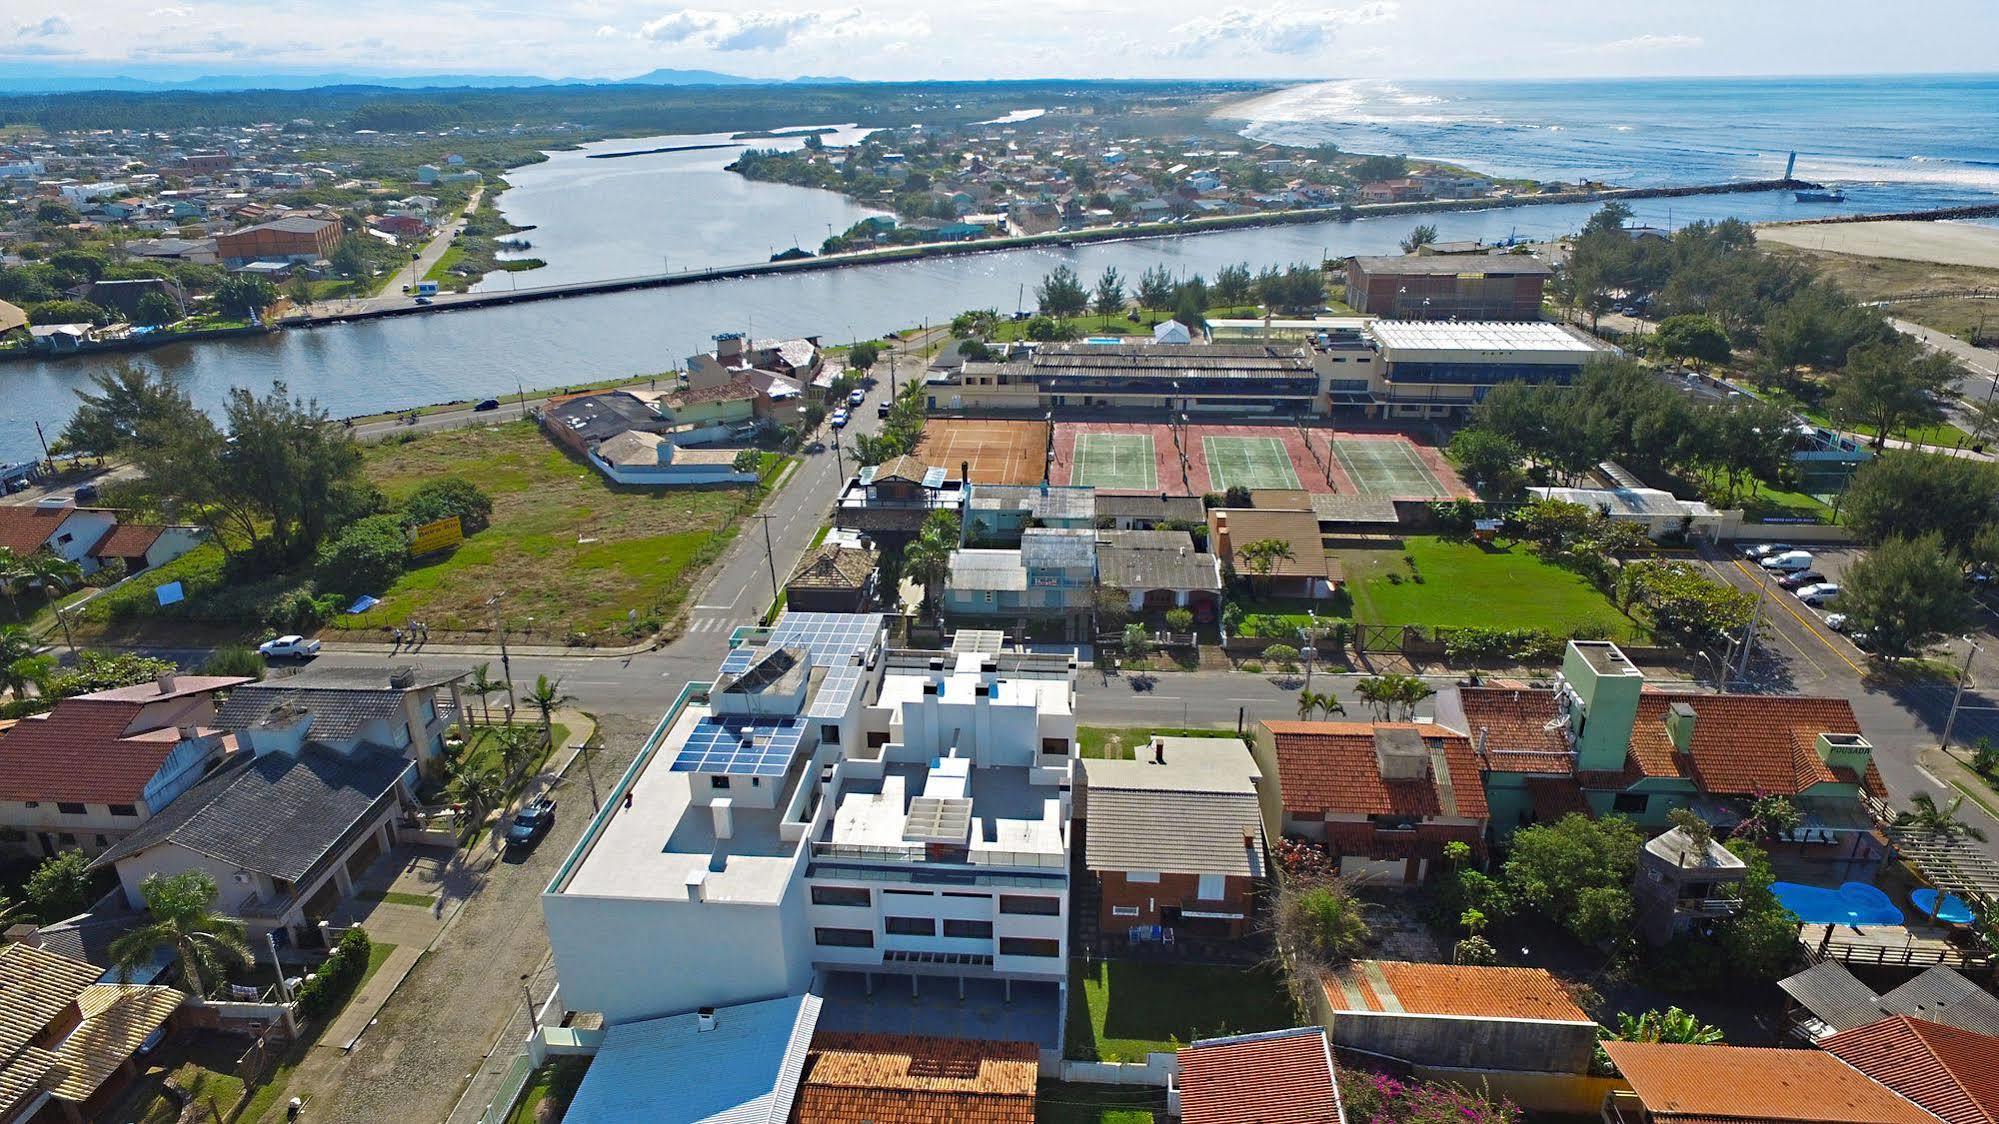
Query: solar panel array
(836,692)
(739,746)
(830,637)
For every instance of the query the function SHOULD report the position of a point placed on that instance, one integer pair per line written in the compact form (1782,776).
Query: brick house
(1385,798)
(1174,838)
(1283,1075)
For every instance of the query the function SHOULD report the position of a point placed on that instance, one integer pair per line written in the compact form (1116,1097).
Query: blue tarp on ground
(363,603)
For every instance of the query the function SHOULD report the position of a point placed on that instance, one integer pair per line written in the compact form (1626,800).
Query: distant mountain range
(66,83)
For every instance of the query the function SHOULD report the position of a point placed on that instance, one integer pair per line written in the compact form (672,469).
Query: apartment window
(829,734)
(963,894)
(1056,746)
(718,782)
(1211,888)
(69,809)
(908,893)
(1124,911)
(124,809)
(66,839)
(843,938)
(1141,876)
(840,895)
(1029,946)
(975,929)
(1034,905)
(1630,802)
(909,926)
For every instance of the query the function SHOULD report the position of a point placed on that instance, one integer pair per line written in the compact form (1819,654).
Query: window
(909,926)
(69,809)
(840,895)
(1124,911)
(124,809)
(1632,802)
(843,938)
(963,894)
(65,537)
(908,893)
(718,782)
(978,929)
(1035,905)
(1211,888)
(1141,876)
(1029,946)
(829,734)
(1057,746)
(66,839)
(103,841)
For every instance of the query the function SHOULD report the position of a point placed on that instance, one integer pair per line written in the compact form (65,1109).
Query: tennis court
(1115,461)
(1387,468)
(1257,463)
(995,452)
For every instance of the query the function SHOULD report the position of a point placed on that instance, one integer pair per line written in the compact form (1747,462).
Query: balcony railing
(1708,907)
(1622,1106)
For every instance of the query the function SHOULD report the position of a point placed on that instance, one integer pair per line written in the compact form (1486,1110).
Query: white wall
(172,543)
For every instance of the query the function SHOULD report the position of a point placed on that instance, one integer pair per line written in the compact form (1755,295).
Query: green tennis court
(1256,463)
(1388,469)
(1121,461)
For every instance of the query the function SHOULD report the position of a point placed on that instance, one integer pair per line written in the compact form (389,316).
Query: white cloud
(46,29)
(1647,42)
(1277,31)
(169,13)
(749,30)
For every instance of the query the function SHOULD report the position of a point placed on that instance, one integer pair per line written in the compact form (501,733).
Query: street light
(1957,697)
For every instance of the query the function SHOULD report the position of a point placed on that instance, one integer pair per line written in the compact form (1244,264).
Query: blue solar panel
(836,691)
(741,746)
(738,661)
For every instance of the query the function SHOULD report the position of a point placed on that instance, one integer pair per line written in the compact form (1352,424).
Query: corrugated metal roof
(667,1070)
(1058,548)
(987,569)
(1753,1085)
(1833,995)
(1953,1073)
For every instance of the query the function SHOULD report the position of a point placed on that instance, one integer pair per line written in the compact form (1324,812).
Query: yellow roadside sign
(439,534)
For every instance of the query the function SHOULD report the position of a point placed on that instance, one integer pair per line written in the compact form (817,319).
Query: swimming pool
(1953,911)
(1853,903)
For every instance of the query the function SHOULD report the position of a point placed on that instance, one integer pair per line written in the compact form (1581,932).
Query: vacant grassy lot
(1867,278)
(572,552)
(1425,580)
(1116,743)
(1121,1010)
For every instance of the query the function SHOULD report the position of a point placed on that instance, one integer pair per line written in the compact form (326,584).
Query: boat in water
(1836,195)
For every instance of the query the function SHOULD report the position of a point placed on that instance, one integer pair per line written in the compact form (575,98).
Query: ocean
(1894,143)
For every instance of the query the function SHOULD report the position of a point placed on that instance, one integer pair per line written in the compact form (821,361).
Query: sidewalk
(492,651)
(365,1004)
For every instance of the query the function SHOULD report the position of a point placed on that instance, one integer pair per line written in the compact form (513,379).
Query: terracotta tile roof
(832,566)
(1680,1084)
(80,752)
(1953,1073)
(1231,529)
(1515,724)
(25,528)
(127,540)
(1451,989)
(1745,744)
(735,390)
(906,1079)
(1331,767)
(1282,1077)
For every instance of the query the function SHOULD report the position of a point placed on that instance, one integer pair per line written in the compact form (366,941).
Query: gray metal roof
(1153,507)
(1940,995)
(1057,548)
(1155,560)
(986,569)
(337,715)
(743,1071)
(1833,995)
(1040,500)
(1186,816)
(1448,265)
(275,814)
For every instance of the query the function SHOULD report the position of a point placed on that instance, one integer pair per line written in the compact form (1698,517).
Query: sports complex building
(1350,366)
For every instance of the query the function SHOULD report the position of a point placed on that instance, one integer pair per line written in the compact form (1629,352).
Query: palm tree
(477,784)
(1308,702)
(547,697)
(1311,702)
(184,919)
(54,574)
(485,686)
(1379,694)
(1941,822)
(1669,1025)
(10,573)
(1262,556)
(928,559)
(1409,691)
(17,645)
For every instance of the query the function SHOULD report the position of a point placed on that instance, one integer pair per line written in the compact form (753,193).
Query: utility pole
(506,664)
(1963,677)
(770,556)
(590,774)
(49,460)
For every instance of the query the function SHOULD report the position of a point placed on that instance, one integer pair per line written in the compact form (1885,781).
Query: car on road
(288,648)
(86,493)
(881,409)
(530,823)
(857,397)
(1765,549)
(423,300)
(1788,562)
(488,404)
(839,419)
(1801,579)
(1819,594)
(1837,622)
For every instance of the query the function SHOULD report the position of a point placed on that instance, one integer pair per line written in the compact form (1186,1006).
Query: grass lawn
(1060,1102)
(1121,1010)
(1776,503)
(1117,743)
(573,552)
(1120,324)
(1463,583)
(397,897)
(485,746)
(555,1080)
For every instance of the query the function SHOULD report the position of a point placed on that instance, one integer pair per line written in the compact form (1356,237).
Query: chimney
(1158,752)
(187,733)
(965,471)
(166,682)
(25,933)
(725,817)
(704,1020)
(402,678)
(1680,725)
(697,885)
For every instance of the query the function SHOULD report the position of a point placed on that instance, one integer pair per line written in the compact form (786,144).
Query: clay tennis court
(999,452)
(1145,457)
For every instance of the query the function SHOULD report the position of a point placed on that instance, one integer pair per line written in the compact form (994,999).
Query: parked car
(839,419)
(488,404)
(86,493)
(531,823)
(1862,640)
(1836,621)
(1765,549)
(288,648)
(857,397)
(1788,562)
(1801,579)
(1819,594)
(423,300)
(881,409)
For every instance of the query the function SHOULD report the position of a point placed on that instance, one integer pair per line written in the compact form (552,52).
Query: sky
(973,39)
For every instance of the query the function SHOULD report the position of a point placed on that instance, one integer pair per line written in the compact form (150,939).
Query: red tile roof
(25,528)
(1282,1077)
(81,752)
(1954,1073)
(1746,744)
(127,540)
(1680,1084)
(1515,724)
(1331,767)
(906,1079)
(1464,991)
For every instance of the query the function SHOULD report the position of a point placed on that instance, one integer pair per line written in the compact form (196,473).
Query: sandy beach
(1948,243)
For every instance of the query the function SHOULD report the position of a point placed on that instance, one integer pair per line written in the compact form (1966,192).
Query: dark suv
(531,823)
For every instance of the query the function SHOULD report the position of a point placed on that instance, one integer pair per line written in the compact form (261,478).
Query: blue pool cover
(1954,911)
(1853,903)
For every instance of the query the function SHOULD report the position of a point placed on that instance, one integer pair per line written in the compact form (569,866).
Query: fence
(1156,1070)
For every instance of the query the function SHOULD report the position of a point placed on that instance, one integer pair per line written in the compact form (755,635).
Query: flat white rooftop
(1480,335)
(1048,696)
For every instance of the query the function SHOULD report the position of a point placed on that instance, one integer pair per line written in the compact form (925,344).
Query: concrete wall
(1506,1045)
(1580,1094)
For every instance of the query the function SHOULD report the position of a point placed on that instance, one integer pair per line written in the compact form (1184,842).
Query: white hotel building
(836,817)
